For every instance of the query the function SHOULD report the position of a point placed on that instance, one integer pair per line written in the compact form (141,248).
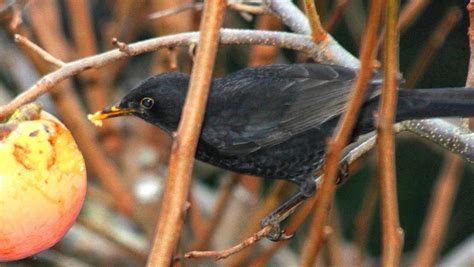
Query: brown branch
(267,205)
(45,22)
(105,232)
(336,14)
(297,21)
(10,14)
(225,192)
(222,254)
(82,30)
(410,13)
(333,254)
(436,222)
(27,44)
(437,38)
(195,217)
(391,231)
(184,146)
(444,191)
(341,137)
(317,32)
(363,219)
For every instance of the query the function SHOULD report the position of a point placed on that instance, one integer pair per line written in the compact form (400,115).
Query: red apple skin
(42,185)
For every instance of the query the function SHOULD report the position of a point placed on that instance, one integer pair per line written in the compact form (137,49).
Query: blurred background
(126,159)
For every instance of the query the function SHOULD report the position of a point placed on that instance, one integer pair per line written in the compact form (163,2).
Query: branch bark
(184,146)
(46,83)
(392,235)
(341,137)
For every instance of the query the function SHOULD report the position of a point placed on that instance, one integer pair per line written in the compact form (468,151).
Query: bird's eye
(147,102)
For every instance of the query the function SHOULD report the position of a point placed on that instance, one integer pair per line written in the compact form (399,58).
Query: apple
(42,182)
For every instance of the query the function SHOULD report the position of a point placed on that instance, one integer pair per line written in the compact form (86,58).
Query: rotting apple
(42,182)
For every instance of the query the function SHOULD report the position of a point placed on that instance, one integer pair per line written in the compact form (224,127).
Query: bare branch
(25,42)
(280,39)
(341,137)
(392,235)
(317,32)
(331,52)
(227,252)
(180,166)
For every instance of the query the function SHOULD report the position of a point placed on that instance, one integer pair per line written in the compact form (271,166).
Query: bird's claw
(275,233)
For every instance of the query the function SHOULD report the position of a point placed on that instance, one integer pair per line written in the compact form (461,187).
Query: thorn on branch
(173,58)
(122,47)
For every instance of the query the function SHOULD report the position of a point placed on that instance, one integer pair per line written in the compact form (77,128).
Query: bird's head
(157,100)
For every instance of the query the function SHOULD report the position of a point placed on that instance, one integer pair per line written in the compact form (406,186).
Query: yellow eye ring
(147,102)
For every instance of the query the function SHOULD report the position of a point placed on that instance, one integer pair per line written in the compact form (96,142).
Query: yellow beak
(111,112)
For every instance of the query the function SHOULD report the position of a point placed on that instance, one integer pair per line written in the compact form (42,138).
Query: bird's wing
(270,104)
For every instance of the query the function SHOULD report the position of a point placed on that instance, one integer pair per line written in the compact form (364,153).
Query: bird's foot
(280,214)
(276,233)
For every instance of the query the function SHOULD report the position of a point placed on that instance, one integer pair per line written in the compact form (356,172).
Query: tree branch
(392,234)
(227,36)
(180,167)
(341,137)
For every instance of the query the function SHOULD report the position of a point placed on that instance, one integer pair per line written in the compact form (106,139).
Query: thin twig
(333,247)
(184,146)
(67,102)
(240,7)
(175,10)
(196,219)
(410,13)
(26,43)
(256,10)
(225,192)
(317,32)
(437,38)
(297,21)
(437,218)
(391,232)
(336,14)
(222,254)
(341,137)
(363,219)
(107,233)
(11,14)
(82,30)
(281,39)
(268,204)
(435,227)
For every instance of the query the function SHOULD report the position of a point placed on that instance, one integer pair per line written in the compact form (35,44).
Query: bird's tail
(421,104)
(432,103)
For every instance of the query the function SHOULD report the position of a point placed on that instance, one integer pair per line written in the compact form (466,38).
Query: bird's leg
(308,187)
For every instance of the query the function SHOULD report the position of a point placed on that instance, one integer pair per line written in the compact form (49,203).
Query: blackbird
(273,121)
